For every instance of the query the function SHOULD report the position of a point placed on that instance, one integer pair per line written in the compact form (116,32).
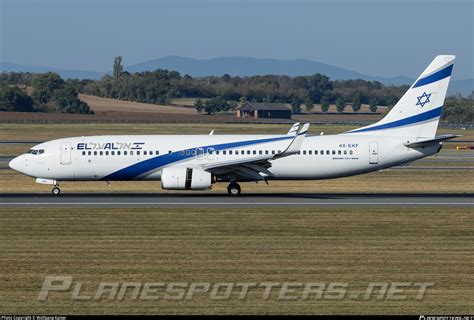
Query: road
(201,200)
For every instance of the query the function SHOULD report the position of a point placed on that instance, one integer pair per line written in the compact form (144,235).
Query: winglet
(211,133)
(296,143)
(294,129)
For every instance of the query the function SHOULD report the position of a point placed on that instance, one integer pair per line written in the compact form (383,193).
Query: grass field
(19,132)
(387,181)
(353,246)
(98,104)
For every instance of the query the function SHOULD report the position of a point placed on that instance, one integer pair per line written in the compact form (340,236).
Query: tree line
(48,93)
(458,109)
(161,86)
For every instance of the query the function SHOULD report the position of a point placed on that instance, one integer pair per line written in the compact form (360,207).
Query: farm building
(264,110)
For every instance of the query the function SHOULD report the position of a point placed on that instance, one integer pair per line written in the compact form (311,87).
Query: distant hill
(65,74)
(240,66)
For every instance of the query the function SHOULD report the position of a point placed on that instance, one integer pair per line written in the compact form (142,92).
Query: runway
(202,200)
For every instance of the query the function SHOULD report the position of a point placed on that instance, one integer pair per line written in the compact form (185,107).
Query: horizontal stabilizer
(429,142)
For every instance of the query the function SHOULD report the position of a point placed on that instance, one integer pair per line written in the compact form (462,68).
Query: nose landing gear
(233,189)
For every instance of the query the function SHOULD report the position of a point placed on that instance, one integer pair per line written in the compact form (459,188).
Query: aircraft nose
(16,164)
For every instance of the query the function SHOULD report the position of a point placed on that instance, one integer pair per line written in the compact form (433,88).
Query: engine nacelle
(182,178)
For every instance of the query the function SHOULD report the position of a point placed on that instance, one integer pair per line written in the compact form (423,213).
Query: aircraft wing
(256,167)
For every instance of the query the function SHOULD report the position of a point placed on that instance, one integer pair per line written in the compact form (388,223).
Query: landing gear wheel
(56,191)
(233,189)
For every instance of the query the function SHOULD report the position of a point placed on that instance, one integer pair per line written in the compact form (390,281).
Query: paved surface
(203,200)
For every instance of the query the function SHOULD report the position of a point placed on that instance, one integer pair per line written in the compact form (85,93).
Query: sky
(380,38)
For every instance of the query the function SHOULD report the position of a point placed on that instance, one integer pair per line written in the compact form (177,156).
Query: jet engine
(182,178)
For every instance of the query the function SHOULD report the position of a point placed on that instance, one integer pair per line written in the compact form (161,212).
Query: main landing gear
(56,191)
(233,189)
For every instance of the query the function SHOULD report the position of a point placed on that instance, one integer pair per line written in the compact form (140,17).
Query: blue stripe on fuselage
(404,122)
(441,74)
(142,167)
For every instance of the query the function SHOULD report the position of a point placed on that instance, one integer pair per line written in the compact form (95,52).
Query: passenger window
(224,152)
(188,152)
(315,152)
(138,153)
(339,152)
(230,151)
(310,152)
(350,152)
(334,152)
(217,151)
(260,152)
(273,151)
(144,153)
(304,152)
(83,153)
(254,151)
(131,153)
(182,152)
(345,151)
(106,153)
(169,151)
(327,152)
(157,152)
(95,153)
(266,151)
(118,153)
(89,153)
(125,153)
(248,151)
(112,153)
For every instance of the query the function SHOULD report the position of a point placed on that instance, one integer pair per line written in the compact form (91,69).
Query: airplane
(196,162)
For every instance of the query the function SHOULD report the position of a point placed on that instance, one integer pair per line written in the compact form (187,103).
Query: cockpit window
(36,151)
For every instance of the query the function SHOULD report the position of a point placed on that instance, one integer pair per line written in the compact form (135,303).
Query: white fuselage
(143,157)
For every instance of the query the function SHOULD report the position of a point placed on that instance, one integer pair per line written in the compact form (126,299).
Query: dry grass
(238,245)
(42,132)
(35,132)
(105,105)
(388,181)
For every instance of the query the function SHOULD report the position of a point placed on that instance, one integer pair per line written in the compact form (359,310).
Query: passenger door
(65,153)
